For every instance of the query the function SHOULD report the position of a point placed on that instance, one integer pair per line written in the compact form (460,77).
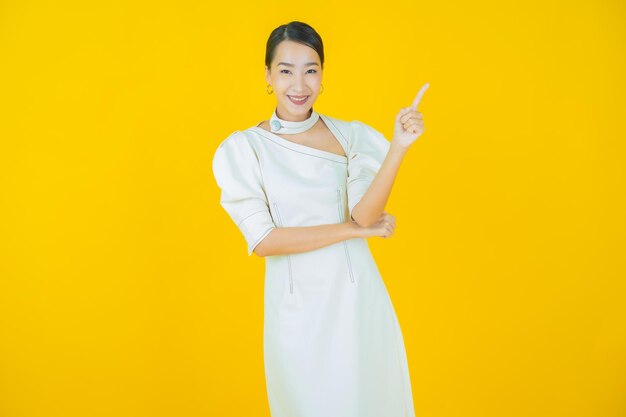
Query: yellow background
(126,290)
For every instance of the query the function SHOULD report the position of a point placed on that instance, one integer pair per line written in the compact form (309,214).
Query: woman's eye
(282,71)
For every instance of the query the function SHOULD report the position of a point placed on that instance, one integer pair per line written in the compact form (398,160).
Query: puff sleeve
(367,151)
(237,173)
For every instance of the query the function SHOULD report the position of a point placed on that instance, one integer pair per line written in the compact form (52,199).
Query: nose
(299,86)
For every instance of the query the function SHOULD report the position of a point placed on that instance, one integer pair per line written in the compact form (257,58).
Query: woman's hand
(384,227)
(409,123)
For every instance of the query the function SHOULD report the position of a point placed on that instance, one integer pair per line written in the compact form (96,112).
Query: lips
(298,99)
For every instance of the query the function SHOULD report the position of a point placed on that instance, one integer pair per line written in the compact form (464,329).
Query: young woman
(306,190)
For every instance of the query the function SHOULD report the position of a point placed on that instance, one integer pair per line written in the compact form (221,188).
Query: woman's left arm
(409,125)
(369,209)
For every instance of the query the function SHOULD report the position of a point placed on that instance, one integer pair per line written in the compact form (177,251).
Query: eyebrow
(308,64)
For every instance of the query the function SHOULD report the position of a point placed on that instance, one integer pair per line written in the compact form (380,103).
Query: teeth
(298,99)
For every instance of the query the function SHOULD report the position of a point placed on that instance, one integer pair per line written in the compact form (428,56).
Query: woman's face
(296,71)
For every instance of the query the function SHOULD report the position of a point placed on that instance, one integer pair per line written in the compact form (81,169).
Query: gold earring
(268,89)
(321,89)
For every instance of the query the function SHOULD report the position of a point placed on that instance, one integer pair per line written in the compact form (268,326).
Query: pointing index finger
(418,98)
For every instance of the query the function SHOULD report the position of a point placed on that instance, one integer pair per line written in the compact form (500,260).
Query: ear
(268,79)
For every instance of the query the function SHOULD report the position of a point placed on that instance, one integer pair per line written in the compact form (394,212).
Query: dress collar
(281,126)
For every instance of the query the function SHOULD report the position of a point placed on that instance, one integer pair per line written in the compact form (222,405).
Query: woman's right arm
(287,240)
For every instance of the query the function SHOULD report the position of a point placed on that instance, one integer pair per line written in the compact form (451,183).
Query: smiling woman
(297,76)
(333,346)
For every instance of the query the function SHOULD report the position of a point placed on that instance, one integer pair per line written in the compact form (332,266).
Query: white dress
(333,346)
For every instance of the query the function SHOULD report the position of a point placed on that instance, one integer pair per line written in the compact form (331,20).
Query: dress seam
(345,244)
(305,153)
(260,238)
(280,223)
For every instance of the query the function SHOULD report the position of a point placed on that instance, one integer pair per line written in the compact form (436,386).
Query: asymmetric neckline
(308,149)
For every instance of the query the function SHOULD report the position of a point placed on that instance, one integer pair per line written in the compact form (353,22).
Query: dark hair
(297,32)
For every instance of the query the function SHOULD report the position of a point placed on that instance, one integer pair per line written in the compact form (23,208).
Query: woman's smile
(298,99)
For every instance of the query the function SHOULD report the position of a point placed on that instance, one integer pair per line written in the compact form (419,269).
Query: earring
(269,89)
(321,89)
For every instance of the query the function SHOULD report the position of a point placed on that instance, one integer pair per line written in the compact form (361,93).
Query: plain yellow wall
(126,290)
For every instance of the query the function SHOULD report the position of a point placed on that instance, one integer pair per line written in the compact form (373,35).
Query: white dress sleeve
(238,175)
(367,151)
